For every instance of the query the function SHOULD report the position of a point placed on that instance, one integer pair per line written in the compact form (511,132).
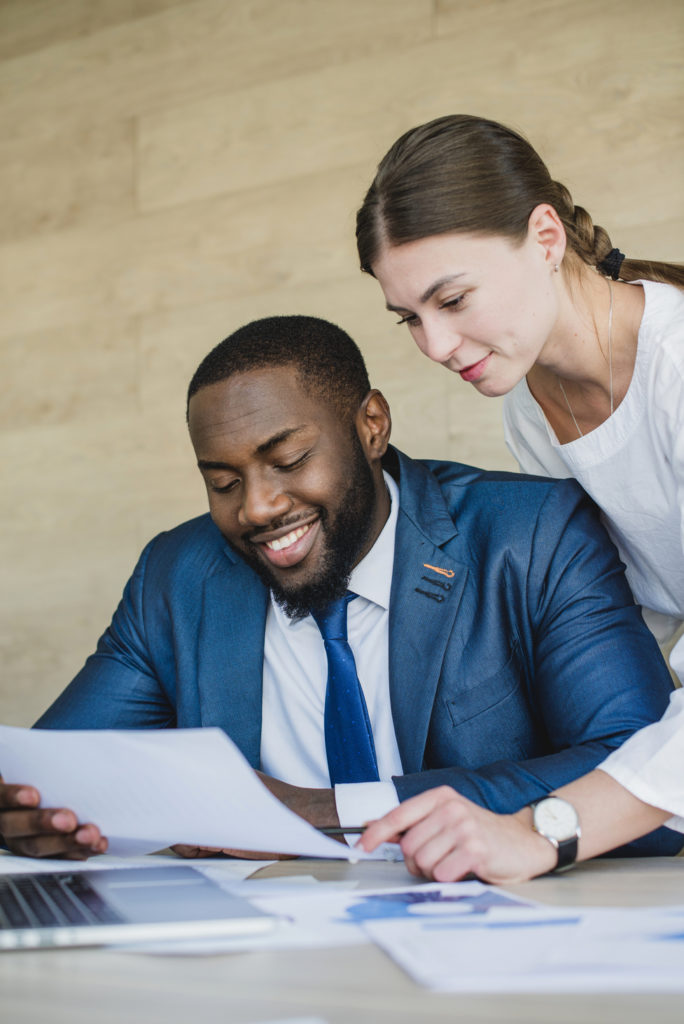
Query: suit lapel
(427,586)
(231,656)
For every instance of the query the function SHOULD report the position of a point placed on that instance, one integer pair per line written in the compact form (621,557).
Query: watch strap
(566,849)
(567,853)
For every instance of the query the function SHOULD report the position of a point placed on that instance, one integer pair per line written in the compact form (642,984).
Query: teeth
(288,539)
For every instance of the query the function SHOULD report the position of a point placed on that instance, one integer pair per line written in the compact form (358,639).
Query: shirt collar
(372,577)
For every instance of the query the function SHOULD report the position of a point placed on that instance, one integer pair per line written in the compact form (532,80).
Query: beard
(345,536)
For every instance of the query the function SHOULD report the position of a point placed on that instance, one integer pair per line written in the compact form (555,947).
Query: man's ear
(374,425)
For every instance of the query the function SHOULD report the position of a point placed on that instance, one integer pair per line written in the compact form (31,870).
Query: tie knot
(332,620)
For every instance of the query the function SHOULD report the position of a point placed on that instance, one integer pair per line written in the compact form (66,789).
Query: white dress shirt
(295,681)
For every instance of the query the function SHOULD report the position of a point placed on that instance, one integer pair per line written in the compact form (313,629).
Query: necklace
(610,365)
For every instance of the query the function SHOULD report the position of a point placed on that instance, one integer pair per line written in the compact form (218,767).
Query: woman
(502,279)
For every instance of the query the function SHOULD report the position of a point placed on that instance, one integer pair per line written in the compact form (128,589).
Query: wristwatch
(557,821)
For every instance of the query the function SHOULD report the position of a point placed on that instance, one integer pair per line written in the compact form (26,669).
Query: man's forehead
(256,403)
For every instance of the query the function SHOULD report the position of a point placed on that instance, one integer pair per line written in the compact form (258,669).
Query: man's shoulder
(489,492)
(195,546)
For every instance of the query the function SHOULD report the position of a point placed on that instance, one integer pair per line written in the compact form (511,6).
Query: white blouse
(632,465)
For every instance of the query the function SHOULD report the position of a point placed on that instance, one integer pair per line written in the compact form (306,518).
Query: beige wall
(170,169)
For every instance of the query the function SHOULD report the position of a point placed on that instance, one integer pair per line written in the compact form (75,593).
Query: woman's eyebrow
(428,293)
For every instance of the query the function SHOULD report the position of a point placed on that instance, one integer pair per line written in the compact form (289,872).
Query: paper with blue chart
(469,946)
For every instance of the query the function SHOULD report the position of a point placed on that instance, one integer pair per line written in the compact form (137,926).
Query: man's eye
(223,488)
(285,466)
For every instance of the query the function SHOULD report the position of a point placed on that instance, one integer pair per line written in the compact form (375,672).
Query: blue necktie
(348,734)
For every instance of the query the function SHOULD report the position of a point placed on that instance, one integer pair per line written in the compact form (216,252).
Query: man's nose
(263,501)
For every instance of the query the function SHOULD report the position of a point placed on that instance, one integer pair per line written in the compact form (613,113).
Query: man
(495,639)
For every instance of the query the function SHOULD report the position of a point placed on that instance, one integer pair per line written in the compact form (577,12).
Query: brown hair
(465,173)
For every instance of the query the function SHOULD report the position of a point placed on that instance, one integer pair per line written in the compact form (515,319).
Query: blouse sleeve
(669,401)
(651,763)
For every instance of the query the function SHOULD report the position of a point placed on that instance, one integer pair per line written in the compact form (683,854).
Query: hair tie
(610,264)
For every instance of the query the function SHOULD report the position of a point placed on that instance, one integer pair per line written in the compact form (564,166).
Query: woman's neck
(586,365)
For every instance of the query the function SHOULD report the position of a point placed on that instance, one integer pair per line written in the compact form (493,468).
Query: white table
(353,985)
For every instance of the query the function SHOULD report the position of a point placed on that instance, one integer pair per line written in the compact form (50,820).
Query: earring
(556,268)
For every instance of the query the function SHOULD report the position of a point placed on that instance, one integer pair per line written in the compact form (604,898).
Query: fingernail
(83,836)
(63,820)
(26,797)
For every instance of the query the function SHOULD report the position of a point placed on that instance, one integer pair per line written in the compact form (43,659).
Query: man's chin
(295,590)
(298,601)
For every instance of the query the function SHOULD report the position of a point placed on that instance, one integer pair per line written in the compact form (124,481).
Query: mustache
(284,522)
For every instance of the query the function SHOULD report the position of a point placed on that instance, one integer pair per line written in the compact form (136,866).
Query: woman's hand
(445,837)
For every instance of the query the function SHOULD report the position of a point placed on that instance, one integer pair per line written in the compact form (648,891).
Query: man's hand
(444,837)
(317,806)
(195,852)
(34,831)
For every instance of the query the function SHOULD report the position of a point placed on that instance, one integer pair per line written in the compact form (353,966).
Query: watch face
(556,818)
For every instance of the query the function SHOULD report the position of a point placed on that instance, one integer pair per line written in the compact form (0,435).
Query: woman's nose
(438,340)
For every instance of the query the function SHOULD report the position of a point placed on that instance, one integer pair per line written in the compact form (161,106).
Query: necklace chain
(610,366)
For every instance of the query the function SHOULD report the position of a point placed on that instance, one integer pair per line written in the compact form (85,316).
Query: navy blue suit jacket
(518,658)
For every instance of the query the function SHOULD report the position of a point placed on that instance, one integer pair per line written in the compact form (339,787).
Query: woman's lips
(292,547)
(474,372)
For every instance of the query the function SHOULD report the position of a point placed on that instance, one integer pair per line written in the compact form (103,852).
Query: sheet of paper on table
(222,869)
(328,915)
(149,789)
(537,948)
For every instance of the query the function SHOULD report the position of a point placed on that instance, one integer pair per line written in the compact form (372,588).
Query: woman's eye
(452,303)
(411,319)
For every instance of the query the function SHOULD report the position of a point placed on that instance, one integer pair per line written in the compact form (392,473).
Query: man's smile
(290,546)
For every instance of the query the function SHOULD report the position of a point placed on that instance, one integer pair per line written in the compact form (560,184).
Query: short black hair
(326,359)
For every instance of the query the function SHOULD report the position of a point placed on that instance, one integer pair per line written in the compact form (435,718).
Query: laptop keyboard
(51,900)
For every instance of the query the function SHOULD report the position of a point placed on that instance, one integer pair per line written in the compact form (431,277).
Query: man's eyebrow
(262,449)
(277,439)
(429,292)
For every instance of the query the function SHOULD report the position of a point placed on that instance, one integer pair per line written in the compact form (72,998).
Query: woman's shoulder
(662,325)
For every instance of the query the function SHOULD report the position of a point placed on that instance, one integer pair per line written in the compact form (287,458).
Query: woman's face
(481,305)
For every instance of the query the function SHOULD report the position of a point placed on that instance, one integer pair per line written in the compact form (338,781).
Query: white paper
(324,915)
(149,789)
(538,948)
(227,872)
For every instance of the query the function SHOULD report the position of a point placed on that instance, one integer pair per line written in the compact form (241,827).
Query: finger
(454,866)
(62,846)
(428,856)
(39,822)
(405,816)
(18,796)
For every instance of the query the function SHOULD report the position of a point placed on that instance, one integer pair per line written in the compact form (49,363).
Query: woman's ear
(545,227)
(374,425)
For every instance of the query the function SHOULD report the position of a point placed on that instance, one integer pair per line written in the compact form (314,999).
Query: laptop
(120,905)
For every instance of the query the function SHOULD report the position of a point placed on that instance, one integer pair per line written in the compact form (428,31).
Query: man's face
(289,483)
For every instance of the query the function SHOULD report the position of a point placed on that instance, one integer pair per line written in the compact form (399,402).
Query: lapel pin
(442,572)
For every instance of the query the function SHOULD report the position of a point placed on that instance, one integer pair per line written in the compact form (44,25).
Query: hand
(34,831)
(317,806)
(444,837)
(193,852)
